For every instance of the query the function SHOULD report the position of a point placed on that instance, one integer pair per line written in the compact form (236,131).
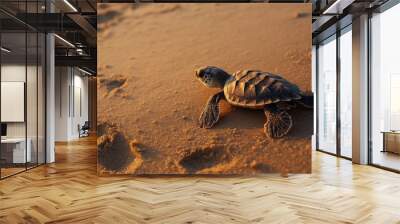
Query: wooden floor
(69,191)
(387,159)
(5,172)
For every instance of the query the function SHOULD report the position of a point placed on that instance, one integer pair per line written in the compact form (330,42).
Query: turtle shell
(255,89)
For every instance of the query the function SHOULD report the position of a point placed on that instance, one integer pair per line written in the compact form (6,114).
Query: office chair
(84,130)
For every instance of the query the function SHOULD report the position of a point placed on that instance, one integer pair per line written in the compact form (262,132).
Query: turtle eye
(201,74)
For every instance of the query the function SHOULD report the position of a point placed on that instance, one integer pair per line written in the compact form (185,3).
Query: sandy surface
(149,100)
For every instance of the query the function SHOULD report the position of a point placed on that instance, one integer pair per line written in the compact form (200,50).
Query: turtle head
(212,77)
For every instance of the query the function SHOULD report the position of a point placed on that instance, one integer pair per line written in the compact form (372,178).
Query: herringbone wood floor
(70,191)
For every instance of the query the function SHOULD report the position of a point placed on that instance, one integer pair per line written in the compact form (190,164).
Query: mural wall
(204,88)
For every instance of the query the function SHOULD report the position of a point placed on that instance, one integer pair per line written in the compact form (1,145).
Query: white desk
(18,150)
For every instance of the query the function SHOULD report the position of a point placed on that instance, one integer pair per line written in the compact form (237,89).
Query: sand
(149,100)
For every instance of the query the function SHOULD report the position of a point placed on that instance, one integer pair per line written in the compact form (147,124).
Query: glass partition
(385,89)
(33,65)
(31,97)
(346,92)
(41,96)
(14,155)
(327,95)
(22,89)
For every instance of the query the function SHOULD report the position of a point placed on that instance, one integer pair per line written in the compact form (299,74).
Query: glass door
(22,78)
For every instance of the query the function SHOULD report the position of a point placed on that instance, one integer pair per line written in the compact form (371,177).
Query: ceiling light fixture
(70,5)
(79,51)
(65,41)
(337,7)
(84,71)
(5,50)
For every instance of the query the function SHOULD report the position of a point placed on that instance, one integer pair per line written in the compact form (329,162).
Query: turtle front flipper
(210,114)
(279,122)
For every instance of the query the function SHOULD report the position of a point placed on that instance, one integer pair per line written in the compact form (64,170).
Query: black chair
(84,130)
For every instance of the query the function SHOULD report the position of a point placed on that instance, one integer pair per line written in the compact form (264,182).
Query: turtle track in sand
(113,83)
(203,158)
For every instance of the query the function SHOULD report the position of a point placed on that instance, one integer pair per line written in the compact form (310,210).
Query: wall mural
(204,88)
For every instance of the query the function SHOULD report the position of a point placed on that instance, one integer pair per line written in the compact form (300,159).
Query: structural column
(50,92)
(360,90)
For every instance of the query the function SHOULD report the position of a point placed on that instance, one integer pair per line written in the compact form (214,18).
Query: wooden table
(391,141)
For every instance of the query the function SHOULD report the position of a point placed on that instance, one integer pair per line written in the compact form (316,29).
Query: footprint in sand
(115,153)
(114,85)
(203,158)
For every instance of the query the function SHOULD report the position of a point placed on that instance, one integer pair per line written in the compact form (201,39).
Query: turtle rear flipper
(210,114)
(279,122)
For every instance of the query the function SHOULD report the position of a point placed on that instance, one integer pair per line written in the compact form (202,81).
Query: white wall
(62,81)
(71,94)
(13,101)
(14,72)
(80,109)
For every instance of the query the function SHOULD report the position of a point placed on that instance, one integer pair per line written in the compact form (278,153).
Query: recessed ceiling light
(65,41)
(84,71)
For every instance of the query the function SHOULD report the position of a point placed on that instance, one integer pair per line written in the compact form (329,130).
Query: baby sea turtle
(256,90)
